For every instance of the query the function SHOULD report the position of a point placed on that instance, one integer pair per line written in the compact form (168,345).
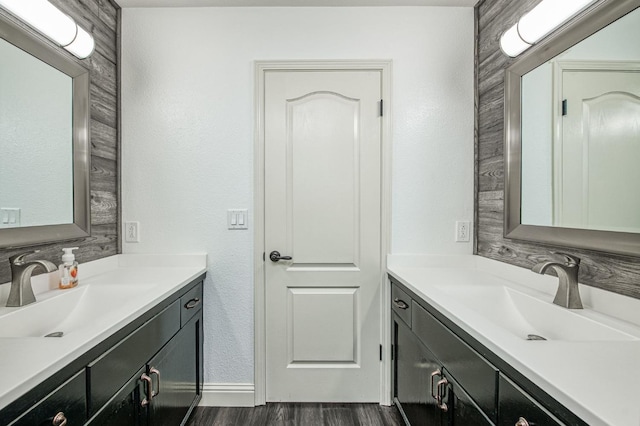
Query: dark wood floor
(298,414)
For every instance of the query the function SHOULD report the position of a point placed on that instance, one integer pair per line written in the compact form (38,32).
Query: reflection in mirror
(35,141)
(581,134)
(44,140)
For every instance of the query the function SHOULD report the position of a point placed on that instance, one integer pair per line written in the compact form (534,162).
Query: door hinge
(381,108)
(380,352)
(564,107)
(263,257)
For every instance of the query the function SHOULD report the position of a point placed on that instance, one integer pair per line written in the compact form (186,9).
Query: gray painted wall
(620,274)
(100,18)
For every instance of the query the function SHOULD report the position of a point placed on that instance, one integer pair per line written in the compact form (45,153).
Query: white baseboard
(228,395)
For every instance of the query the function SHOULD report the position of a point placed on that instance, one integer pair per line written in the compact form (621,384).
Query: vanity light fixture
(539,22)
(52,23)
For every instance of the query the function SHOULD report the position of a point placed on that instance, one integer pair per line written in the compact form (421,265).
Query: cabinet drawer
(69,399)
(470,369)
(190,304)
(514,403)
(107,373)
(401,304)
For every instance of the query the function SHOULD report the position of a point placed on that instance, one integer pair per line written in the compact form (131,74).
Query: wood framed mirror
(44,137)
(571,173)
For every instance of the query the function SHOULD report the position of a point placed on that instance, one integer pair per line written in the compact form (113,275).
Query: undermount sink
(529,317)
(65,311)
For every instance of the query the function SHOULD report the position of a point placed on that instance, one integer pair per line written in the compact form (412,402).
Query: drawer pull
(155,371)
(522,422)
(149,390)
(59,419)
(400,303)
(442,390)
(192,303)
(433,376)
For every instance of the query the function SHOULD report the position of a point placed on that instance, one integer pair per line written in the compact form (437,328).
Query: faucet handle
(17,259)
(569,259)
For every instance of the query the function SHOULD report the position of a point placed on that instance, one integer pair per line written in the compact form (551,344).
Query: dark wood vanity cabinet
(413,367)
(176,370)
(162,362)
(149,375)
(163,390)
(425,391)
(441,378)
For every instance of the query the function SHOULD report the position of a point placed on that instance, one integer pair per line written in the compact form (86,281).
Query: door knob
(275,256)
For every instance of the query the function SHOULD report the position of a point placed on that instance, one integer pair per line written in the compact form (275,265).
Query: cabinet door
(174,372)
(461,410)
(414,364)
(125,407)
(516,404)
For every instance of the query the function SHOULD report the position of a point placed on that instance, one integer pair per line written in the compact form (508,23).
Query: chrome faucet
(568,295)
(21,292)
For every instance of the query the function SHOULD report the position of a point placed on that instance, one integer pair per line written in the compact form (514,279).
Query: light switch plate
(238,219)
(9,217)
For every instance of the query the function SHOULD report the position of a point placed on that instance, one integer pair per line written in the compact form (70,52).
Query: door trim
(261,67)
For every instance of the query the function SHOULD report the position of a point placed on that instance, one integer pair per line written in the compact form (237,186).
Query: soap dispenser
(68,269)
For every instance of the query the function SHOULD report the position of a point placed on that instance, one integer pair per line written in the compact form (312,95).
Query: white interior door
(601,150)
(323,208)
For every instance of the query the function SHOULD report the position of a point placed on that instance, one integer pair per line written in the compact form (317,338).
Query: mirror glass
(36,137)
(44,140)
(581,134)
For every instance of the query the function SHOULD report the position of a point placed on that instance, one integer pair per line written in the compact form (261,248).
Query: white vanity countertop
(597,380)
(27,361)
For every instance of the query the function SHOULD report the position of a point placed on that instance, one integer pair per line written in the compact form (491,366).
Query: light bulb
(44,17)
(511,43)
(82,46)
(547,16)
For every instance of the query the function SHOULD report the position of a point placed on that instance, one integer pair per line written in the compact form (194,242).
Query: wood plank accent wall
(100,18)
(620,274)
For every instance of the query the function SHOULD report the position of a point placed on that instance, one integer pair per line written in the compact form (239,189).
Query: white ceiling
(290,3)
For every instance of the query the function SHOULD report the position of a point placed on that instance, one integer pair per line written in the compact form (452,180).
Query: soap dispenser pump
(68,269)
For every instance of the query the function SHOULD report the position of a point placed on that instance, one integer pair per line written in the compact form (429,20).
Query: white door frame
(261,67)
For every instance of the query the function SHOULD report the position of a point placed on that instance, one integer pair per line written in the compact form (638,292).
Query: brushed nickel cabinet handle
(433,376)
(522,422)
(149,390)
(192,303)
(442,389)
(59,419)
(400,303)
(155,371)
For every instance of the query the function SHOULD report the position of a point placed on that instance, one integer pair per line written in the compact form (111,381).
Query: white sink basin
(68,310)
(523,314)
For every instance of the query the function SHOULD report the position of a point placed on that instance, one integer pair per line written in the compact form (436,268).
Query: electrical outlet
(132,232)
(463,231)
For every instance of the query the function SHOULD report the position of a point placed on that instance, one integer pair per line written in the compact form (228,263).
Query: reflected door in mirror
(600,151)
